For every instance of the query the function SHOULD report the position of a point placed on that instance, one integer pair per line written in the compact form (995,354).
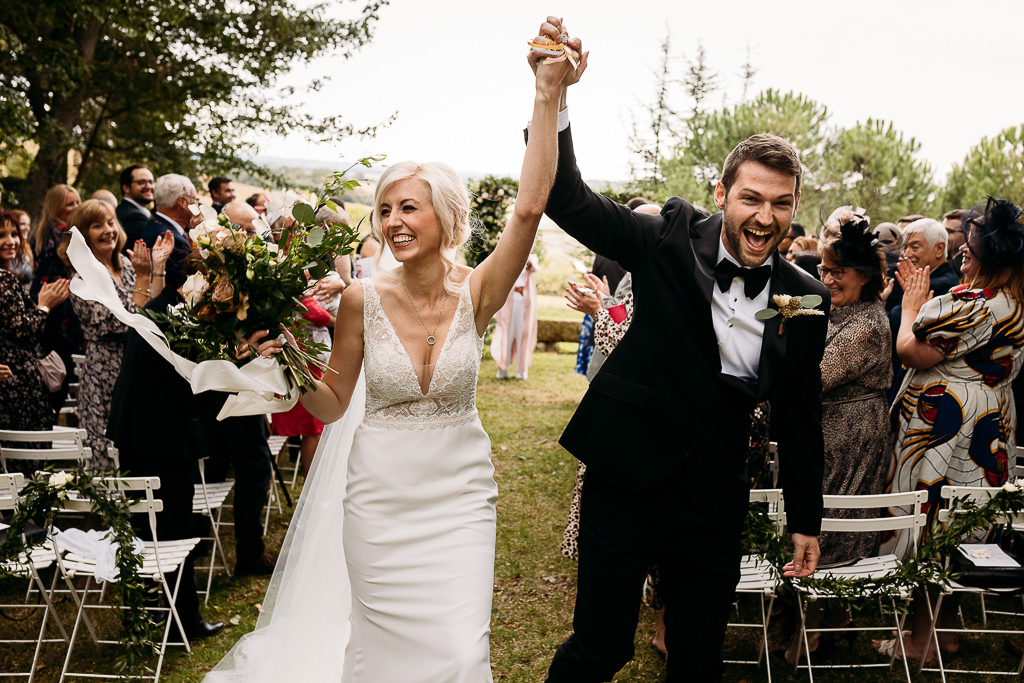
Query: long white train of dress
(405,596)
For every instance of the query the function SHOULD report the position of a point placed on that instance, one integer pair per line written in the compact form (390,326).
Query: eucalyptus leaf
(810,301)
(318,271)
(315,237)
(303,213)
(766,314)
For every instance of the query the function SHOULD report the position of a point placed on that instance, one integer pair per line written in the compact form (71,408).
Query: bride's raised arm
(494,278)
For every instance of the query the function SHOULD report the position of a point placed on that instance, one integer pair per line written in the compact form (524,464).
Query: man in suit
(222,192)
(665,438)
(137,193)
(172,195)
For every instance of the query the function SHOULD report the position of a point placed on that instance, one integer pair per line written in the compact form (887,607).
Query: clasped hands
(557,74)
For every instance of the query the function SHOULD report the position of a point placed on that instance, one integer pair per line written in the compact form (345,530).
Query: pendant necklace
(431,340)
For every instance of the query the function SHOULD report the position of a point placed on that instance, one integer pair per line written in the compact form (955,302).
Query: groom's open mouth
(757,239)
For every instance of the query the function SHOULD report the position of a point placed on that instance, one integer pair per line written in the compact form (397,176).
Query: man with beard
(672,489)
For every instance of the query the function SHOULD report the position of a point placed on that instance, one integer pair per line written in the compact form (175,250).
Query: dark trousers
(177,491)
(622,533)
(241,442)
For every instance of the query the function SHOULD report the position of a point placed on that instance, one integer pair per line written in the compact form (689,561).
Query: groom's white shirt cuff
(563,120)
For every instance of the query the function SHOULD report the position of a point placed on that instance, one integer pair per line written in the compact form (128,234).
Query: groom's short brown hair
(764,148)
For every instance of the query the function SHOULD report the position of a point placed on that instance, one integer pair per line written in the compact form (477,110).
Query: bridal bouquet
(248,282)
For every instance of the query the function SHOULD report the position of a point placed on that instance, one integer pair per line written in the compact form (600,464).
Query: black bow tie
(754,279)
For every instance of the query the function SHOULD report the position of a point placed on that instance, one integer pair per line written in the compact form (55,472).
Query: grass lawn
(534,586)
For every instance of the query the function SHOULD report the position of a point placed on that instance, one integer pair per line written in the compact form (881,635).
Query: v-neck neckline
(405,350)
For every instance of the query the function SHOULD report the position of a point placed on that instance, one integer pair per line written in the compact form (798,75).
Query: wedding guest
(20,262)
(515,331)
(185,421)
(963,350)
(890,239)
(172,195)
(908,219)
(258,201)
(135,280)
(24,228)
(843,214)
(137,192)
(222,192)
(329,288)
(367,252)
(105,196)
(953,223)
(856,375)
(24,399)
(62,333)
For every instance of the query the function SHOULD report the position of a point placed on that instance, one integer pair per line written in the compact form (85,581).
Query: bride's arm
(494,277)
(331,398)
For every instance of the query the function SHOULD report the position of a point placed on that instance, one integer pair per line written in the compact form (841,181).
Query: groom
(664,426)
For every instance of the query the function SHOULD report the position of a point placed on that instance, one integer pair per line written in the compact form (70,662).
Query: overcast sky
(945,72)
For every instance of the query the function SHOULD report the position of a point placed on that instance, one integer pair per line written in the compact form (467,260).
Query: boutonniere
(790,307)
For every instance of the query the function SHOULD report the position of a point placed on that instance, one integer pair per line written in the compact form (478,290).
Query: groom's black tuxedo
(665,434)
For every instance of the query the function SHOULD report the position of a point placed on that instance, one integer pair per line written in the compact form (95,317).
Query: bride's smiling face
(408,220)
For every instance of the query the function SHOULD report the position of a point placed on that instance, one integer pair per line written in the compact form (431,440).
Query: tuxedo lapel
(773,344)
(705,237)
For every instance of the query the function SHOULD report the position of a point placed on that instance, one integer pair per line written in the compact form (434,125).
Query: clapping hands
(915,283)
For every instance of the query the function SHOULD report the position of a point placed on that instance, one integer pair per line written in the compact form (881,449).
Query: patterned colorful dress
(956,419)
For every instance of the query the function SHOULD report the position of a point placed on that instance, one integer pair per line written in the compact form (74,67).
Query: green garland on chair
(40,499)
(922,569)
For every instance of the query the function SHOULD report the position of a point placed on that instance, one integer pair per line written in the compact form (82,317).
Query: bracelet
(44,308)
(157,275)
(139,290)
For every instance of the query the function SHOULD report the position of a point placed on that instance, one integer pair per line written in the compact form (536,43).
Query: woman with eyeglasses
(955,411)
(856,373)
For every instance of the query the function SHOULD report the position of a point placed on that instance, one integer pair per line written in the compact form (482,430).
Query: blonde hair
(53,205)
(450,199)
(87,213)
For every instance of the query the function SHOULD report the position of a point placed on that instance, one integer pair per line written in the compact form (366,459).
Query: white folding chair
(773,462)
(209,502)
(27,565)
(871,568)
(159,558)
(60,445)
(760,579)
(979,495)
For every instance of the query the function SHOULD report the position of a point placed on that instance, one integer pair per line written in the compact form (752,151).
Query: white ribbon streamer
(258,383)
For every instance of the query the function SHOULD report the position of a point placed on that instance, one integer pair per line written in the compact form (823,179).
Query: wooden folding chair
(872,567)
(159,558)
(27,565)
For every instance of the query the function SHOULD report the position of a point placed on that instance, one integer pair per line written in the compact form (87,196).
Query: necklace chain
(431,339)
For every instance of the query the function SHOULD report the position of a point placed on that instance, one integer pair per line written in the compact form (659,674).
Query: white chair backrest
(914,521)
(773,497)
(10,484)
(65,445)
(976,494)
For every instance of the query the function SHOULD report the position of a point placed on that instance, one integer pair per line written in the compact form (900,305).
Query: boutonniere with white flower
(789,307)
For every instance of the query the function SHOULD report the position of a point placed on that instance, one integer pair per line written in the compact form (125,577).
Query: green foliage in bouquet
(248,282)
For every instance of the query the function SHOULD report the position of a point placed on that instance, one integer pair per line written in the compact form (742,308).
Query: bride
(387,571)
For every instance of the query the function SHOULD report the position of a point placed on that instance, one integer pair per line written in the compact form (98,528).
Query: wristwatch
(44,308)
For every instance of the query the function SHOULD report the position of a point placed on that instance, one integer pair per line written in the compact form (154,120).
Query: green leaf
(315,237)
(766,314)
(810,301)
(317,271)
(303,213)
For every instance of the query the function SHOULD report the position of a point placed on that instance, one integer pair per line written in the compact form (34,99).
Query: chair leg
(74,630)
(763,648)
(900,619)
(933,636)
(803,636)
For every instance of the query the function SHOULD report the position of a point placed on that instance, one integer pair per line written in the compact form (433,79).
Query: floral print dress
(955,420)
(105,337)
(24,400)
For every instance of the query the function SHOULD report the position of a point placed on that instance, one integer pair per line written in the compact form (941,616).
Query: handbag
(52,370)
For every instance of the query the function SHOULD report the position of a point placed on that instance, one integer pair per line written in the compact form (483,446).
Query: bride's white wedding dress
(387,577)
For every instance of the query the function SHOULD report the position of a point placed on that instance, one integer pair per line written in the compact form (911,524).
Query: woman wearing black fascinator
(963,351)
(856,373)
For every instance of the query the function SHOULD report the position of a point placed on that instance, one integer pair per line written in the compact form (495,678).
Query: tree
(491,199)
(993,167)
(181,85)
(694,173)
(872,166)
(648,146)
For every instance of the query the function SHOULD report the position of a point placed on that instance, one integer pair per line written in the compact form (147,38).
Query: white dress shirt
(739,333)
(141,207)
(174,223)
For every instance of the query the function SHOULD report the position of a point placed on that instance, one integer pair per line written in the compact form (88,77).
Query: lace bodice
(394,399)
